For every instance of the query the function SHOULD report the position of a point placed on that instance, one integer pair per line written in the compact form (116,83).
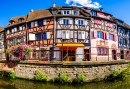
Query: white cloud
(84,3)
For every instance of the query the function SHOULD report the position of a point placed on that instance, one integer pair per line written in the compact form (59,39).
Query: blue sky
(14,8)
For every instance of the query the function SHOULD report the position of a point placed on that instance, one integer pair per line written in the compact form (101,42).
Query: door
(122,55)
(113,54)
(86,54)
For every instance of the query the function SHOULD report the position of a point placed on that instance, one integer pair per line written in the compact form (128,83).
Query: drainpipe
(90,33)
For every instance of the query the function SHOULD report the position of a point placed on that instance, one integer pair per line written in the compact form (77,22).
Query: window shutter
(77,12)
(48,35)
(15,29)
(36,23)
(31,36)
(67,34)
(86,35)
(7,31)
(63,34)
(79,34)
(31,24)
(70,21)
(76,21)
(62,12)
(71,34)
(83,34)
(44,22)
(115,37)
(20,28)
(86,22)
(94,34)
(107,35)
(60,20)
(72,12)
(104,35)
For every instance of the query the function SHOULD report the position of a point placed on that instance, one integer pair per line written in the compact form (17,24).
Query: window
(110,37)
(124,31)
(66,12)
(30,26)
(0,36)
(12,41)
(0,45)
(18,29)
(21,20)
(45,36)
(119,29)
(124,41)
(93,13)
(102,51)
(99,35)
(65,21)
(0,56)
(80,22)
(40,23)
(19,39)
(11,22)
(38,36)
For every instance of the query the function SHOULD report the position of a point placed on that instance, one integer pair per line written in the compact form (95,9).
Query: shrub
(39,76)
(83,78)
(64,77)
(12,75)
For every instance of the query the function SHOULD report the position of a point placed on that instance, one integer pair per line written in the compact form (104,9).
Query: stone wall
(93,70)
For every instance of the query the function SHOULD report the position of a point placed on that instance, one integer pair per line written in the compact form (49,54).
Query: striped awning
(71,45)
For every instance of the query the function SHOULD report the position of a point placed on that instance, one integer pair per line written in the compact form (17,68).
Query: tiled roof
(1,29)
(16,19)
(39,14)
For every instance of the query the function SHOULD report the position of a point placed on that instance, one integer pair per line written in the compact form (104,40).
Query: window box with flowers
(19,52)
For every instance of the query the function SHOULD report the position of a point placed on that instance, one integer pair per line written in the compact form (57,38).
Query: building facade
(75,33)
(2,44)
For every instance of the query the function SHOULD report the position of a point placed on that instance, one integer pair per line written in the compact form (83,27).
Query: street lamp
(54,12)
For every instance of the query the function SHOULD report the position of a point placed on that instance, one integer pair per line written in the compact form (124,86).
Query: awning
(71,45)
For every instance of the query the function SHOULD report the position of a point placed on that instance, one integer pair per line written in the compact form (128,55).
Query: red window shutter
(104,35)
(94,34)
(107,35)
(115,37)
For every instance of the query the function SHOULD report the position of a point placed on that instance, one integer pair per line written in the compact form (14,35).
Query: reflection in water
(6,83)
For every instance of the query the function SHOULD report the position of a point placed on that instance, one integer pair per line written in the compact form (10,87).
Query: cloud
(83,3)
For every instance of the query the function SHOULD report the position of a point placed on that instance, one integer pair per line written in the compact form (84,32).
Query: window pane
(67,12)
(97,34)
(81,22)
(45,36)
(101,50)
(105,50)
(100,35)
(21,40)
(64,21)
(36,37)
(39,36)
(64,12)
(98,50)
(67,21)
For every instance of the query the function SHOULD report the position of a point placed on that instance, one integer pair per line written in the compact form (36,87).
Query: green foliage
(39,76)
(58,79)
(64,77)
(46,78)
(53,79)
(11,45)
(116,73)
(76,80)
(12,75)
(83,78)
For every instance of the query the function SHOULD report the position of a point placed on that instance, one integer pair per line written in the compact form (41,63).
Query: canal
(6,83)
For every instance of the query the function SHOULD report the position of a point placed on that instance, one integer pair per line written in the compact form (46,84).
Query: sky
(14,8)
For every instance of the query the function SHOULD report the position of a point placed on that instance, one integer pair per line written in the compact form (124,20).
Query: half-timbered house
(2,44)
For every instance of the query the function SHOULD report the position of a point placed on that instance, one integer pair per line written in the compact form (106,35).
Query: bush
(12,75)
(39,76)
(83,78)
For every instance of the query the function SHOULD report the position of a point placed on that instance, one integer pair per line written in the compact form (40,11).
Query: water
(6,83)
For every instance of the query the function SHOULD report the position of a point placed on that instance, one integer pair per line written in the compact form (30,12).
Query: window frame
(65,20)
(101,51)
(100,35)
(66,12)
(111,35)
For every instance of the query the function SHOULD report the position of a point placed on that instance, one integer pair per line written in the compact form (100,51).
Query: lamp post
(54,12)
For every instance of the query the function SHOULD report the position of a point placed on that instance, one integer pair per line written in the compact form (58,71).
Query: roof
(38,14)
(1,29)
(16,19)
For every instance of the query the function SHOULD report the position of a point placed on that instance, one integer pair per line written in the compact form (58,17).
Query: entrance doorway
(69,54)
(114,54)
(86,54)
(122,54)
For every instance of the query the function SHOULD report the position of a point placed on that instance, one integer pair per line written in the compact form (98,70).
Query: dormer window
(11,22)
(21,20)
(66,12)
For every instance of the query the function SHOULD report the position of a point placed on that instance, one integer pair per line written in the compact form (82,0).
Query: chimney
(31,10)
(54,4)
(101,9)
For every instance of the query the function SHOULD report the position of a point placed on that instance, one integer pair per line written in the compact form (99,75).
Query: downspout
(90,33)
